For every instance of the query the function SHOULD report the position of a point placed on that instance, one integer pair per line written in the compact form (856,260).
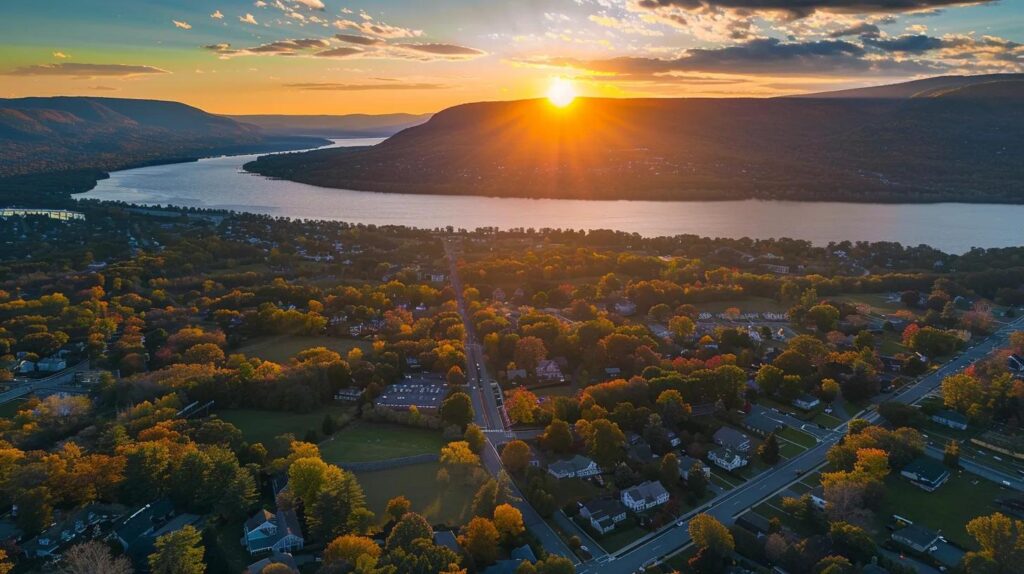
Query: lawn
(262,426)
(451,505)
(625,532)
(9,409)
(362,441)
(799,437)
(281,349)
(748,305)
(948,509)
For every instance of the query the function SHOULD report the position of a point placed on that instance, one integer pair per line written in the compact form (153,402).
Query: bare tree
(94,557)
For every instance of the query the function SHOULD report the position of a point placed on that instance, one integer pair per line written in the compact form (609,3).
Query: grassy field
(418,483)
(9,409)
(263,426)
(799,437)
(748,305)
(281,349)
(947,509)
(361,442)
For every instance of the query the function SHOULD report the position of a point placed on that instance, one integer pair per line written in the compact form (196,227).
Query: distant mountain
(926,88)
(72,134)
(965,142)
(343,126)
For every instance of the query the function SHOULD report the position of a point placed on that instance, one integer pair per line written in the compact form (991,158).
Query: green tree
(335,505)
(457,410)
(1001,543)
(406,530)
(35,509)
(605,442)
(178,552)
(475,437)
(557,437)
(696,482)
(769,449)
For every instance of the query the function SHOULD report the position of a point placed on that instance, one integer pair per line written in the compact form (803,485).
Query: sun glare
(561,93)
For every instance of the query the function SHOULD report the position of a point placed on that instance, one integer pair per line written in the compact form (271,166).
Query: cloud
(378,29)
(313,4)
(248,19)
(182,25)
(803,8)
(908,43)
(329,86)
(859,29)
(622,25)
(85,70)
(447,50)
(278,48)
(361,40)
(341,52)
(61,55)
(217,15)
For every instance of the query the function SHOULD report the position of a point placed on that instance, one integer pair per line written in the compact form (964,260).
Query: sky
(417,56)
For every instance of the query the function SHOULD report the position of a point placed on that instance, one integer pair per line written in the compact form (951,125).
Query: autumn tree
(509,521)
(515,456)
(480,540)
(605,442)
(350,548)
(475,437)
(459,460)
(1001,543)
(951,455)
(179,552)
(520,406)
(529,352)
(669,471)
(398,507)
(455,376)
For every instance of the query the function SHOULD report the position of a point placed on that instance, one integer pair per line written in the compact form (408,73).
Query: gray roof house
(644,496)
(603,513)
(951,419)
(926,473)
(278,532)
(732,439)
(917,538)
(576,467)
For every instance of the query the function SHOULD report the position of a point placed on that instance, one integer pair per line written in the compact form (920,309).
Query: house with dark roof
(686,463)
(754,522)
(916,538)
(603,513)
(806,402)
(447,539)
(644,496)
(732,439)
(758,422)
(284,558)
(143,522)
(951,419)
(926,473)
(518,555)
(278,532)
(578,466)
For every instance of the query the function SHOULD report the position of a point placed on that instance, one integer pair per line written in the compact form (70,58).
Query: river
(220,183)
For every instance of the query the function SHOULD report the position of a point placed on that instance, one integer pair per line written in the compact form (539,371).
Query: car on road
(799,472)
(1006,483)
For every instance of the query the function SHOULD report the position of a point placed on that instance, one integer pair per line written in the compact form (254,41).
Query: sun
(561,92)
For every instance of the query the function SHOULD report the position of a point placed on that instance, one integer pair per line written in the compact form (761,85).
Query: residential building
(276,558)
(818,497)
(51,365)
(732,439)
(951,419)
(624,307)
(916,538)
(759,422)
(926,473)
(644,496)
(687,462)
(518,555)
(278,532)
(603,513)
(755,523)
(578,466)
(447,539)
(348,395)
(727,458)
(806,402)
(548,370)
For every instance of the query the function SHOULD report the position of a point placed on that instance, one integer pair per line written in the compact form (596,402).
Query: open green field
(263,426)
(747,305)
(362,442)
(451,505)
(799,437)
(11,408)
(964,497)
(625,533)
(281,349)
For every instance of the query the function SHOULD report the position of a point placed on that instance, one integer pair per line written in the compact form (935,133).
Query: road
(53,382)
(491,417)
(657,546)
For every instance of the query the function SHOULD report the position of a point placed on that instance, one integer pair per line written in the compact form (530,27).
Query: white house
(806,402)
(727,458)
(951,419)
(644,496)
(625,307)
(548,370)
(575,467)
(603,513)
(278,533)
